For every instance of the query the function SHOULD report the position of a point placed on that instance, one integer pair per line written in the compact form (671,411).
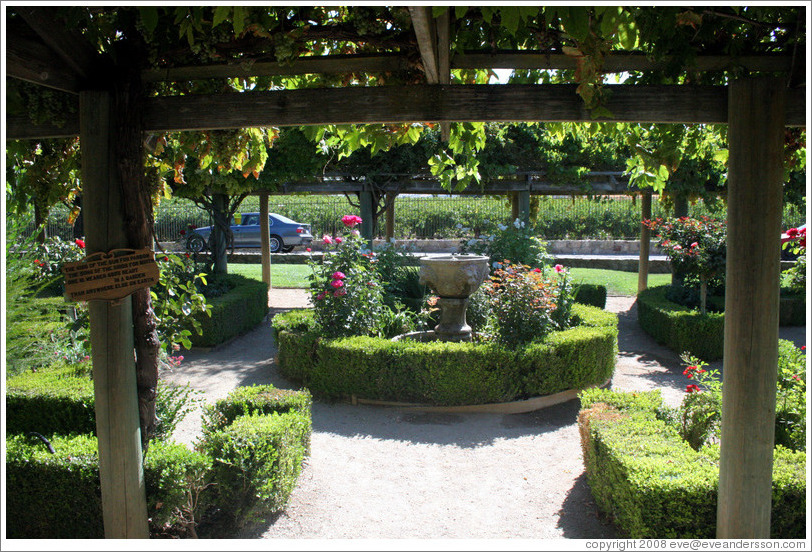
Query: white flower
(517,223)
(471,242)
(497,265)
(459,226)
(466,230)
(502,227)
(392,239)
(490,238)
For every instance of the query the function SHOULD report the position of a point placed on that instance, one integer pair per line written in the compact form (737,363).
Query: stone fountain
(454,278)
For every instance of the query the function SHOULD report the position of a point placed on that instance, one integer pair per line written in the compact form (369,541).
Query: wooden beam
(118,427)
(754,199)
(615,62)
(33,61)
(265,238)
(70,46)
(444,60)
(379,63)
(645,241)
(302,66)
(425,31)
(399,104)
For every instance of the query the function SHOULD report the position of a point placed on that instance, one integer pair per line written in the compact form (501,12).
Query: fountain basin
(454,276)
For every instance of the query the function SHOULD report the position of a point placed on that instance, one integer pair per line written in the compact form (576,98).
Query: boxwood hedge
(441,373)
(233,313)
(654,485)
(57,494)
(680,328)
(683,329)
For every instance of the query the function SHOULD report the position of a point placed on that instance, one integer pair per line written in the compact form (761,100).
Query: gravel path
(383,473)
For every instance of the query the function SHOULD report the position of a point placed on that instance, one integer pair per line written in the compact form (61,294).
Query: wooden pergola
(113,114)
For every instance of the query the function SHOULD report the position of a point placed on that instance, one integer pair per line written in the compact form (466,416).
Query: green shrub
(680,328)
(571,359)
(234,313)
(448,373)
(50,401)
(257,460)
(255,399)
(61,399)
(590,294)
(294,320)
(791,308)
(54,496)
(654,485)
(58,495)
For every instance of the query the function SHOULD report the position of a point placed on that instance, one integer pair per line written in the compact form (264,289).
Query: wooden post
(390,216)
(645,242)
(368,226)
(755,139)
(523,201)
(111,334)
(219,234)
(265,238)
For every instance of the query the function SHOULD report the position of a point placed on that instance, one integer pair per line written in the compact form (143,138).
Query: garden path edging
(512,407)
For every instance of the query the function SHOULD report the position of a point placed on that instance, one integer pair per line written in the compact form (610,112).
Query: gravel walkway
(384,473)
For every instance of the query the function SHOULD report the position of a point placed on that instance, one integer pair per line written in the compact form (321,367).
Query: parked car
(285,234)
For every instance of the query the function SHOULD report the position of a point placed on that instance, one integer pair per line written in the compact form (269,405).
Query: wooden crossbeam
(70,46)
(399,104)
(378,63)
(31,60)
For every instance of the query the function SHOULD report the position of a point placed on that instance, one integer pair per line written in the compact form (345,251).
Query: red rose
(80,243)
(691,388)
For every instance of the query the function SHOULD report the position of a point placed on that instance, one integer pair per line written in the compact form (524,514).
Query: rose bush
(795,276)
(528,303)
(697,249)
(347,289)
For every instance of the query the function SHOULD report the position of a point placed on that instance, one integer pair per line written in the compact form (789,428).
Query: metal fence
(416,216)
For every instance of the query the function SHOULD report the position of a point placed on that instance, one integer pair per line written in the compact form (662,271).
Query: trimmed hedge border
(680,328)
(683,329)
(446,374)
(590,294)
(654,485)
(255,441)
(234,313)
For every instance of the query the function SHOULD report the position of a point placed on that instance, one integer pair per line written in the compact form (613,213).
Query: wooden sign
(110,276)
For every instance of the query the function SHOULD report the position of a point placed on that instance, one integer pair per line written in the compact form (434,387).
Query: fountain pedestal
(454,278)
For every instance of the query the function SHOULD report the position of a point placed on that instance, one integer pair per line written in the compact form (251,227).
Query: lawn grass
(282,275)
(617,282)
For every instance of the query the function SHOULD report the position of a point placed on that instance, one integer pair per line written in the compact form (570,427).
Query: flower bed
(440,373)
(654,485)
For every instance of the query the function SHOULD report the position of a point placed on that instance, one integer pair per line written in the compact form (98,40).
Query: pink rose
(338,240)
(559,268)
(538,270)
(320,296)
(340,292)
(351,221)
(695,244)
(356,233)
(338,275)
(326,240)
(337,284)
(308,250)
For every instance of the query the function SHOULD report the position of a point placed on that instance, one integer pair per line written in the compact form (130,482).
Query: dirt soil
(385,473)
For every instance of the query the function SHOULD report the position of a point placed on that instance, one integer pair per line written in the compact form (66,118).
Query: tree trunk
(40,216)
(219,233)
(138,220)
